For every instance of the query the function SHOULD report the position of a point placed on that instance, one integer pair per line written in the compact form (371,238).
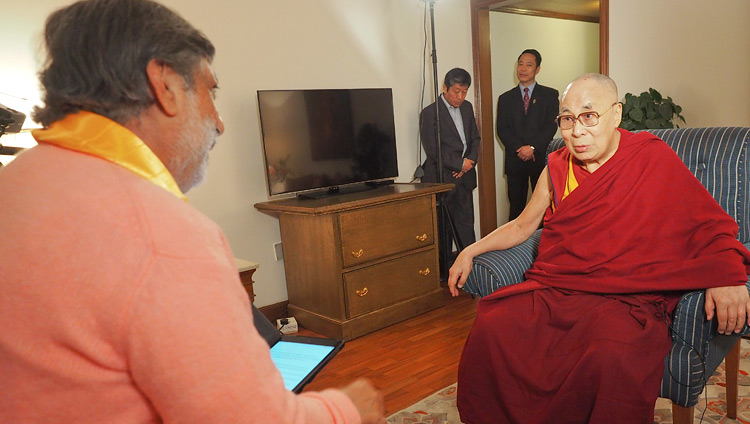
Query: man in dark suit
(459,140)
(526,124)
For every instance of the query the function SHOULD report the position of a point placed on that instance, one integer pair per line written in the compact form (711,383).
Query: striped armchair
(719,159)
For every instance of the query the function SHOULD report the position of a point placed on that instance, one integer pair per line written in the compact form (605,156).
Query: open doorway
(493,77)
(569,48)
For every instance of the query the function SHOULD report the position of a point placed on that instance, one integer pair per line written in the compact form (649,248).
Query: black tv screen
(316,139)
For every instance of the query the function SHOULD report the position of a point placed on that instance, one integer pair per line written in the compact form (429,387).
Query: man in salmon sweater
(120,302)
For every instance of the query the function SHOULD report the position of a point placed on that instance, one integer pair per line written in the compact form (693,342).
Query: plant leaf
(636,115)
(655,95)
(646,98)
(665,111)
(632,101)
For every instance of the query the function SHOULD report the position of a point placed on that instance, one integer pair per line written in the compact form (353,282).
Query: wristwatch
(532,147)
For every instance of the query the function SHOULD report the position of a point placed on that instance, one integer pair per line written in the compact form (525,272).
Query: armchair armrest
(697,350)
(499,268)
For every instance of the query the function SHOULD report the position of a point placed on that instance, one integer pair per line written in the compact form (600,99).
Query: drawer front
(377,286)
(373,233)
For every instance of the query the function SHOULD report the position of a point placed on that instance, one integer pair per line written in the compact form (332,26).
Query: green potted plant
(650,110)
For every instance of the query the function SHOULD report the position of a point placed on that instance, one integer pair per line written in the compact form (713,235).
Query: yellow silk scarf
(571,184)
(99,136)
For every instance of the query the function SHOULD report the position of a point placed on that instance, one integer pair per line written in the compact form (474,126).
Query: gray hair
(97,52)
(457,76)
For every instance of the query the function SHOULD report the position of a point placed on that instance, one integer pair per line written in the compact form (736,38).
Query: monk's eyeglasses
(587,119)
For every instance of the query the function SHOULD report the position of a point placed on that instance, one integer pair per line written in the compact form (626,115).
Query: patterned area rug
(440,407)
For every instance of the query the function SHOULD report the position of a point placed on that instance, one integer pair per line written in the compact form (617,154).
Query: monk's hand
(459,272)
(731,306)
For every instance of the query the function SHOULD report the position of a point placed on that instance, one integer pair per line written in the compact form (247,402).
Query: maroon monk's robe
(584,338)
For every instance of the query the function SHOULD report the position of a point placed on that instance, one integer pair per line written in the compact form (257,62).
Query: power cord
(419,172)
(284,322)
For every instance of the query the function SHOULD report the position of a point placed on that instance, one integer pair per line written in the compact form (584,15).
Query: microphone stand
(445,221)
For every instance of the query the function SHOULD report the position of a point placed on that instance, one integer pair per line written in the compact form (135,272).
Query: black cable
(421,96)
(424,80)
(283,314)
(284,322)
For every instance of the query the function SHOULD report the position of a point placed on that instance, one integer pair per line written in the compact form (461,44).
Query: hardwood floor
(408,361)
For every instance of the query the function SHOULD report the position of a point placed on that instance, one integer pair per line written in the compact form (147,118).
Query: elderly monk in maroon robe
(627,230)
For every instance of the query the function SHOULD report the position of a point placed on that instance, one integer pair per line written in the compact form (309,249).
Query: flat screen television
(319,142)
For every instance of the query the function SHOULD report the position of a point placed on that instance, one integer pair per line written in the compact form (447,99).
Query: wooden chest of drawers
(358,262)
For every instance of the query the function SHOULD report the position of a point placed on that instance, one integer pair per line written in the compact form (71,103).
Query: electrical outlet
(278,252)
(287,325)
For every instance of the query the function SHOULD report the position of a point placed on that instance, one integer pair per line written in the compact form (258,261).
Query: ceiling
(585,9)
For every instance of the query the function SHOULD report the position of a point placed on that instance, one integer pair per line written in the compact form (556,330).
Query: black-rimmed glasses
(587,119)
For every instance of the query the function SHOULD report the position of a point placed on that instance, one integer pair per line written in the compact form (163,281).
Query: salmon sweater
(121,303)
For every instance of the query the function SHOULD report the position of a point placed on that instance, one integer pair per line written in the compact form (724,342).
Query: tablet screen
(297,360)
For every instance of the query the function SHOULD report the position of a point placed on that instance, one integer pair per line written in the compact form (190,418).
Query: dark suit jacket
(450,141)
(535,128)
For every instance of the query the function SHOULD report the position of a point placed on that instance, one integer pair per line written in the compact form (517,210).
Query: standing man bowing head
(526,124)
(459,141)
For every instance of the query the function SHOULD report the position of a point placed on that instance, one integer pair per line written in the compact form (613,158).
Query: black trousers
(460,204)
(518,189)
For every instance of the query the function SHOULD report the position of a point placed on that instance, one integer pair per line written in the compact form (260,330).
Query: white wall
(279,44)
(698,53)
(568,49)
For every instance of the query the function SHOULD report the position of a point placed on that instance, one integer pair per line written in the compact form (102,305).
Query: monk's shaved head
(606,85)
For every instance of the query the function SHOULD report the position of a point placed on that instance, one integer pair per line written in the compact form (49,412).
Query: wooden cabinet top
(348,201)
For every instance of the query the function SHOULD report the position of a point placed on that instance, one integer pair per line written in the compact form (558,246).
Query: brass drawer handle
(362,292)
(425,271)
(358,253)
(423,237)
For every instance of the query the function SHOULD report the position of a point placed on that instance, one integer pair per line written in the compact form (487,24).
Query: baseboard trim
(275,311)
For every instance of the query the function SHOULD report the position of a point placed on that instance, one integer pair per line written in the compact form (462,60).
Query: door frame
(483,97)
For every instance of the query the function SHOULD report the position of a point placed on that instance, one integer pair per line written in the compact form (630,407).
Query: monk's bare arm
(504,237)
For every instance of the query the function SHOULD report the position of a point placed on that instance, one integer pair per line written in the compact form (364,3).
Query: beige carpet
(440,407)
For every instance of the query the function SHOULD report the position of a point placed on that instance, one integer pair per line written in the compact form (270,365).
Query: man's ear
(618,114)
(164,82)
